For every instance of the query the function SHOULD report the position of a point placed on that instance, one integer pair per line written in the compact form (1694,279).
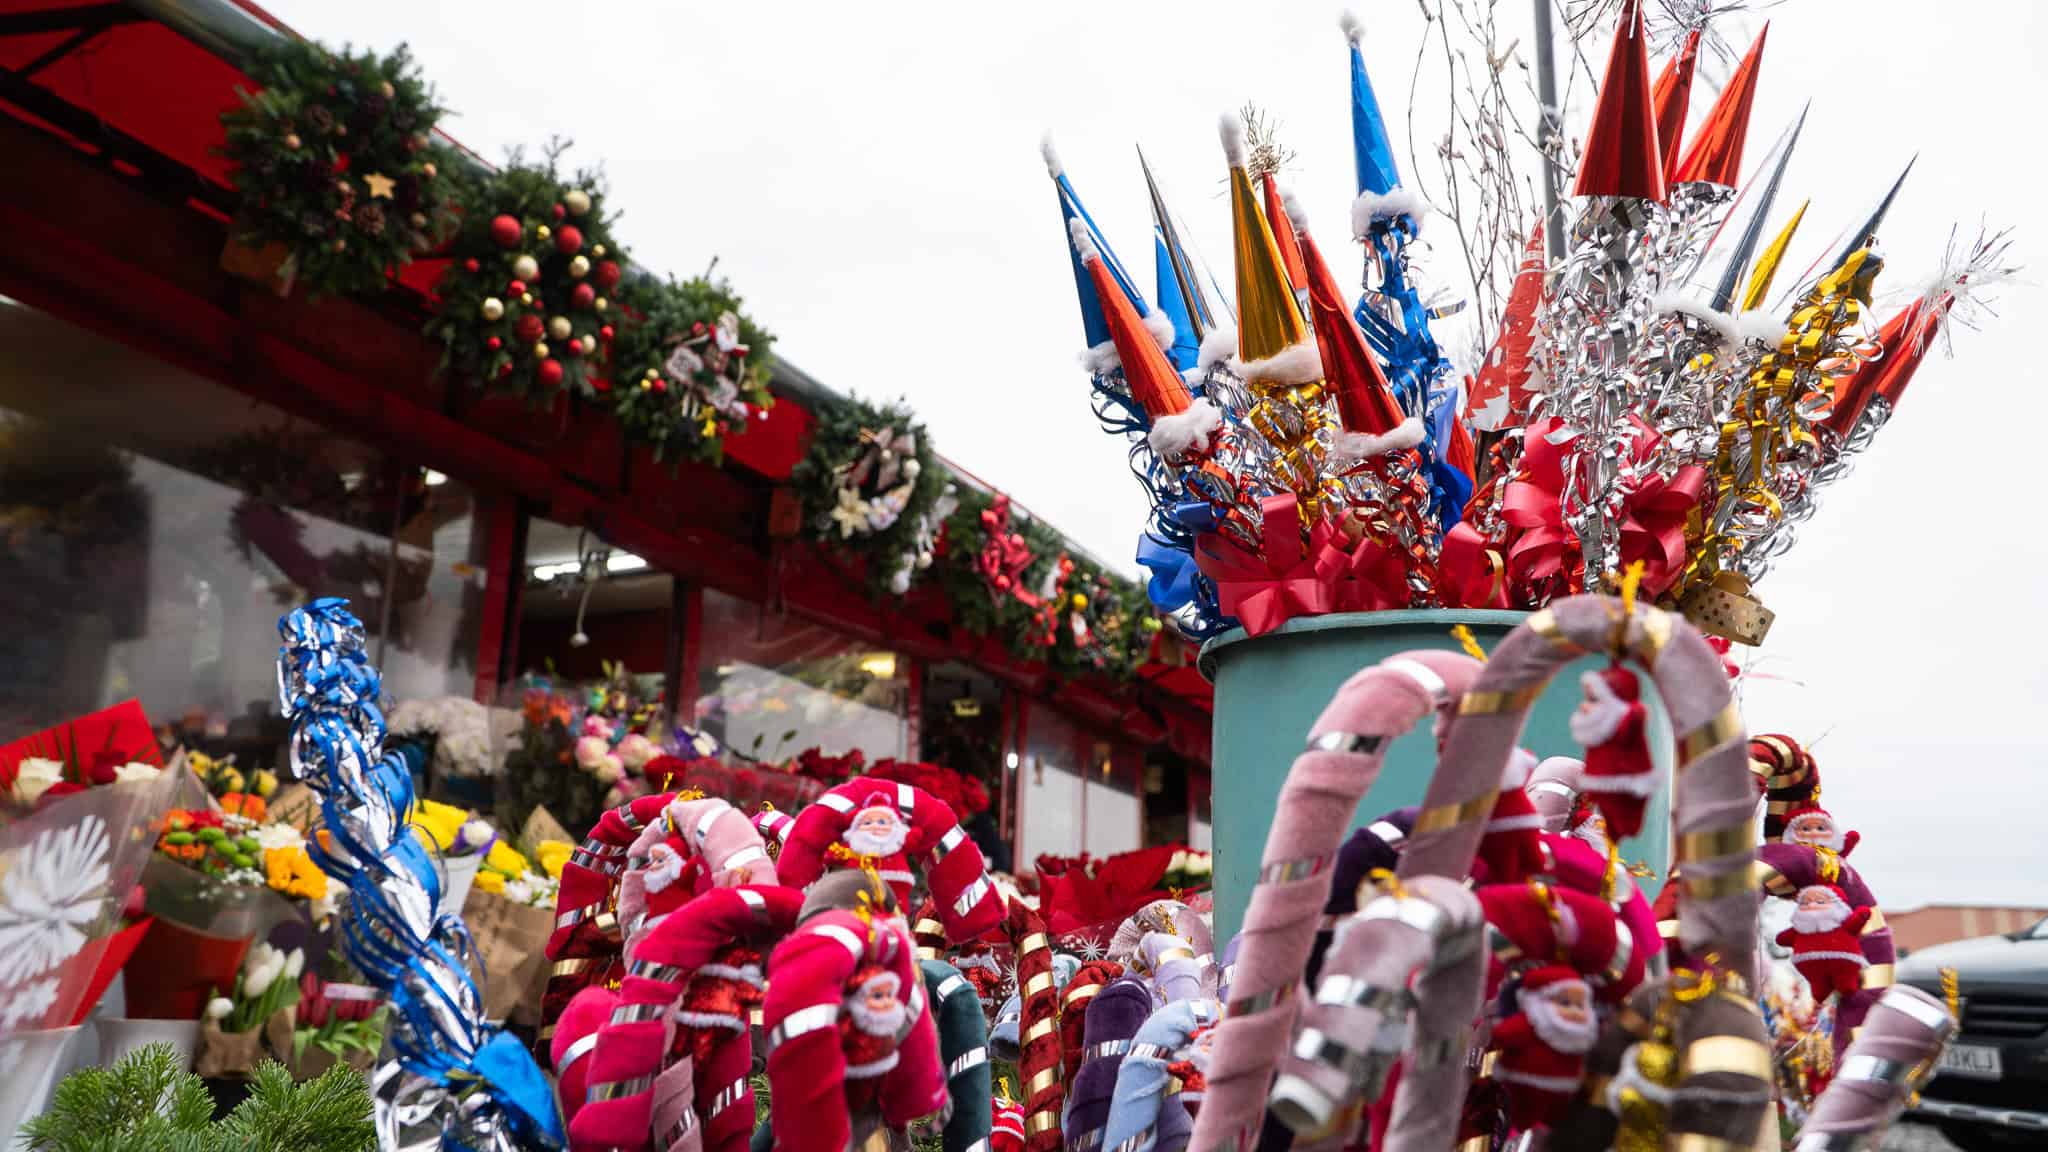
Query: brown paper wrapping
(511,939)
(228,1054)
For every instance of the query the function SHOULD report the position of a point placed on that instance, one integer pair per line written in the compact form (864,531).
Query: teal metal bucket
(1271,688)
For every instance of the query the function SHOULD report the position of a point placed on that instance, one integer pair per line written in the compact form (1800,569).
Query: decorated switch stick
(467,1083)
(1893,1055)
(963,1045)
(863,824)
(1143,1116)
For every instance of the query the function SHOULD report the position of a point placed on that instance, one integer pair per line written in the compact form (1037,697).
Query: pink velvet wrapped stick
(1414,954)
(1316,805)
(729,844)
(1902,1036)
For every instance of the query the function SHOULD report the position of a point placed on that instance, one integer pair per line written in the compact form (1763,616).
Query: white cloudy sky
(869,177)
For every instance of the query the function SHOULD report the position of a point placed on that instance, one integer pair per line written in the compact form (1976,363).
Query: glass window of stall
(772,685)
(962,729)
(156,524)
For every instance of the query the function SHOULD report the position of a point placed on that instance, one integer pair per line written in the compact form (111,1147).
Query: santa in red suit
(1543,1045)
(1619,777)
(885,826)
(1826,939)
(1814,826)
(1512,847)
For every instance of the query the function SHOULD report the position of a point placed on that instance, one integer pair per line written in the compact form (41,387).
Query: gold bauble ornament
(589,344)
(559,328)
(597,250)
(526,299)
(292,141)
(493,308)
(387,91)
(577,201)
(540,351)
(419,220)
(526,268)
(646,384)
(579,266)
(1080,602)
(542,231)
(599,304)
(429,171)
(340,244)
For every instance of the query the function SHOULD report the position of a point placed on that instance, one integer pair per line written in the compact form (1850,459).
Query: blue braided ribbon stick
(467,1085)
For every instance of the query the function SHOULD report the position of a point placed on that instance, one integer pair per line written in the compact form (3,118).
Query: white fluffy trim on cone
(1371,206)
(1296,364)
(1365,446)
(1173,436)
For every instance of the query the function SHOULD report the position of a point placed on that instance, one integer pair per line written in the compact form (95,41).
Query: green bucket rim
(1205,661)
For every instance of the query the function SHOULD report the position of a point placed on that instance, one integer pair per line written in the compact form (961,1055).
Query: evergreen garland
(335,160)
(833,494)
(148,1101)
(685,406)
(525,303)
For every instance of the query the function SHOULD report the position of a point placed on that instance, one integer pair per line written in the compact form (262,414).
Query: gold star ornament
(380,185)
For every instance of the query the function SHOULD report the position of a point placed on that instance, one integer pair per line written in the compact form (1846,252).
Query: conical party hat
(1187,342)
(1268,321)
(1500,393)
(1671,95)
(1853,396)
(1715,156)
(1753,207)
(1372,150)
(1767,264)
(1154,383)
(1622,156)
(1365,402)
(1071,211)
(1283,232)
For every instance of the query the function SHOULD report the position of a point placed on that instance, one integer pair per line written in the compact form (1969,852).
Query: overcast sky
(872,185)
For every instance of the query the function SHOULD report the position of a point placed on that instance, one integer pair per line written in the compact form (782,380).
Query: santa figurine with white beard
(874,1019)
(1814,826)
(1543,1045)
(1826,939)
(1619,776)
(1511,847)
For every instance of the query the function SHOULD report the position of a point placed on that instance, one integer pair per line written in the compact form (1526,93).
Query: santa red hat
(1511,847)
(1537,979)
(1537,925)
(967,900)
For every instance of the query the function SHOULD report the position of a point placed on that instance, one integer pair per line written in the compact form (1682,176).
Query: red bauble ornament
(494,343)
(528,329)
(605,333)
(470,265)
(601,384)
(660,385)
(572,349)
(551,372)
(568,239)
(581,296)
(505,231)
(560,211)
(516,288)
(607,274)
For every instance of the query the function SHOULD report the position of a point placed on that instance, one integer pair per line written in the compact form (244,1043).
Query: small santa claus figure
(1006,1125)
(1512,847)
(1589,825)
(1814,826)
(874,1021)
(1826,941)
(1619,777)
(1543,1045)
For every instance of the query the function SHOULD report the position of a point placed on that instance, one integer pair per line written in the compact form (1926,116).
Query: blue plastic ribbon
(395,931)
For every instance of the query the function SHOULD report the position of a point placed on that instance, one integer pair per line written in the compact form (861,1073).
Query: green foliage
(334,159)
(686,418)
(482,271)
(837,444)
(148,1102)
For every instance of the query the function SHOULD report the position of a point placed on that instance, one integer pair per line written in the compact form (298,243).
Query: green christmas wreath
(690,367)
(335,161)
(526,301)
(871,488)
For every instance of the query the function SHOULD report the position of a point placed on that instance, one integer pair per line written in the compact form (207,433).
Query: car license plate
(1971,1062)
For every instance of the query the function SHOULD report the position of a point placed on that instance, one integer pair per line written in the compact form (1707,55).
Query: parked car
(1990,1091)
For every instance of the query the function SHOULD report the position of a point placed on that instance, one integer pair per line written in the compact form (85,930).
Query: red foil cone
(1365,402)
(1715,156)
(1853,395)
(1671,95)
(1283,233)
(1622,156)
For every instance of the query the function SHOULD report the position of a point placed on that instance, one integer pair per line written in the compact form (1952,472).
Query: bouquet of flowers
(221,777)
(965,795)
(459,733)
(814,763)
(510,913)
(254,1009)
(68,862)
(335,1023)
(577,750)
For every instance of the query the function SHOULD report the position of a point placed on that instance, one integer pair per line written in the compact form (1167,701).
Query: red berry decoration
(516,288)
(470,265)
(581,296)
(494,343)
(605,333)
(568,239)
(551,372)
(607,274)
(505,231)
(528,329)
